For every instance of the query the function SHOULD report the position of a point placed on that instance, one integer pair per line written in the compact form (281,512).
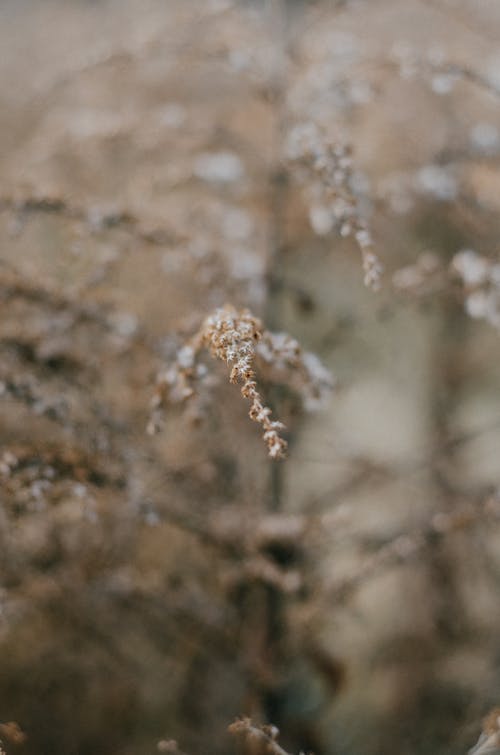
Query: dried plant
(328,166)
(155,165)
(238,338)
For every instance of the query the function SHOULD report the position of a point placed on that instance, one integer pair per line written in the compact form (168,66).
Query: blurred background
(153,168)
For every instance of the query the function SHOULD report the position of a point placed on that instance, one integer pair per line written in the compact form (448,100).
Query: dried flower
(328,166)
(231,336)
(238,338)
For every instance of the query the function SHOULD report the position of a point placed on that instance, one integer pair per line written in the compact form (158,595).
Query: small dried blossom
(328,167)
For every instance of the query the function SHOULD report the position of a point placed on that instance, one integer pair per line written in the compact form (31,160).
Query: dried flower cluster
(327,167)
(238,338)
(230,336)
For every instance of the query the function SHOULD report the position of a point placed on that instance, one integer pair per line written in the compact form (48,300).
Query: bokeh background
(156,588)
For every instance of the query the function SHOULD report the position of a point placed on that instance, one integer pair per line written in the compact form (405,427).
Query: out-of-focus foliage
(309,192)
